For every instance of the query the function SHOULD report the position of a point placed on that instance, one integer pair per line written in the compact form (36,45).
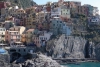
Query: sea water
(85,64)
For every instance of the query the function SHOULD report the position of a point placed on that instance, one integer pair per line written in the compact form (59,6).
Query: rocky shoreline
(35,60)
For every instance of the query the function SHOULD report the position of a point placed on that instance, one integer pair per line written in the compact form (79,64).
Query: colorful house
(2,35)
(57,26)
(23,38)
(31,21)
(13,35)
(60,11)
(90,9)
(29,33)
(41,38)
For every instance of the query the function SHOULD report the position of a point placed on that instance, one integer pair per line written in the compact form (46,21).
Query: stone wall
(4,60)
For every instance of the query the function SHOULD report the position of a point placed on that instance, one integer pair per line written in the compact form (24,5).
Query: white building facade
(44,37)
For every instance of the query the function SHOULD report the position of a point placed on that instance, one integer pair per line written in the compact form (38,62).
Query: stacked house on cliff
(38,23)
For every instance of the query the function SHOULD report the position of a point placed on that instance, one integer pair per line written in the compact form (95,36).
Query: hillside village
(63,29)
(37,24)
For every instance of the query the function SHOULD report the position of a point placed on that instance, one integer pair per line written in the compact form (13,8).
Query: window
(11,39)
(67,10)
(3,29)
(17,36)
(40,38)
(46,38)
(24,50)
(19,50)
(17,33)
(12,50)
(14,32)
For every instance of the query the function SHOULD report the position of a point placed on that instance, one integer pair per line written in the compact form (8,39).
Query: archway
(15,56)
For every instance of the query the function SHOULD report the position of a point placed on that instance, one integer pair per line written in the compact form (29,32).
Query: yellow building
(31,21)
(29,34)
(65,12)
(31,18)
(20,11)
(23,38)
(40,17)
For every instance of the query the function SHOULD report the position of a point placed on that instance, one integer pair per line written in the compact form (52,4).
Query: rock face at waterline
(97,52)
(4,60)
(39,61)
(67,47)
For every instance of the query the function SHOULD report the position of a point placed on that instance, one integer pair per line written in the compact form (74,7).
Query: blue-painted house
(57,26)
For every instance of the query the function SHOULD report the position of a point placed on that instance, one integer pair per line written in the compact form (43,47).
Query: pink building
(3,5)
(13,35)
(42,38)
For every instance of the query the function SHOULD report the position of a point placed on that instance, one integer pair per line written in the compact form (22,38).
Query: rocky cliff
(70,47)
(97,52)
(39,61)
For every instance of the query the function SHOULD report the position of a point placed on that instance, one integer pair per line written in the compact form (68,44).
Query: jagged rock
(92,50)
(67,47)
(72,48)
(15,65)
(4,60)
(97,52)
(41,61)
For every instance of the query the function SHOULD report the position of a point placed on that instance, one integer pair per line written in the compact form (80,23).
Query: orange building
(23,38)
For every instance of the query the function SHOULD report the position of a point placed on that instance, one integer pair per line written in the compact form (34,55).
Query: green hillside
(23,3)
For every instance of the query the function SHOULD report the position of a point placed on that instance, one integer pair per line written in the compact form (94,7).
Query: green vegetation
(91,32)
(21,3)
